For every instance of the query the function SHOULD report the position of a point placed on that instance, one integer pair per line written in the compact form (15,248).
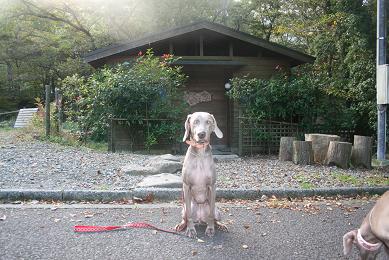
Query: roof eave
(118,48)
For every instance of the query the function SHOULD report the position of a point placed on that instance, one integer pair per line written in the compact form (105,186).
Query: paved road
(36,231)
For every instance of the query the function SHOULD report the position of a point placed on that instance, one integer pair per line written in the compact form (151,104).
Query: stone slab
(163,180)
(135,169)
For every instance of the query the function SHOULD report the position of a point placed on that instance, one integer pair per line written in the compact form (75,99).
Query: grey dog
(199,176)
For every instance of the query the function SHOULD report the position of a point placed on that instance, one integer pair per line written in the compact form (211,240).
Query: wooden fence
(124,136)
(263,136)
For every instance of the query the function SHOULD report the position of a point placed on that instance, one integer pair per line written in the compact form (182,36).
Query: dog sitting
(199,176)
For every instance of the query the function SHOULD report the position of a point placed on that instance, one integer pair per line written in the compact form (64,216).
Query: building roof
(117,48)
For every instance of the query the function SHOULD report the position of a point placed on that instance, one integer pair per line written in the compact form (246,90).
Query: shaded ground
(312,230)
(27,163)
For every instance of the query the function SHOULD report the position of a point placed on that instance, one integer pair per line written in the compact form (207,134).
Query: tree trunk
(286,148)
(302,152)
(320,143)
(339,154)
(361,151)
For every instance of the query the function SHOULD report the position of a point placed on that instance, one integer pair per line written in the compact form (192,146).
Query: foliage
(145,89)
(43,42)
(296,98)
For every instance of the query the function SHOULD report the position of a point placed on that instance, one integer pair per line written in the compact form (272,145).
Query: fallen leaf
(246,226)
(245,246)
(329,208)
(200,240)
(194,252)
(161,220)
(88,215)
(72,215)
(56,220)
(3,218)
(137,200)
(154,232)
(218,247)
(264,234)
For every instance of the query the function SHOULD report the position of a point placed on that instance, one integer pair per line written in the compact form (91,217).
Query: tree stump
(320,143)
(302,152)
(339,154)
(361,151)
(286,148)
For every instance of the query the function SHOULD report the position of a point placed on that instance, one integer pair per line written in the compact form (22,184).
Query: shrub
(298,97)
(147,88)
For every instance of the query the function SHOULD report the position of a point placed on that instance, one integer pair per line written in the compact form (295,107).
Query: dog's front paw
(221,226)
(191,232)
(210,231)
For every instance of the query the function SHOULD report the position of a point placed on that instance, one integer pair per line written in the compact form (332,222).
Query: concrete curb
(168,194)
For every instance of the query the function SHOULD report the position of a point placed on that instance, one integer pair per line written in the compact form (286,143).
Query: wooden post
(201,45)
(320,143)
(47,110)
(302,152)
(240,134)
(58,104)
(361,151)
(339,154)
(231,49)
(286,148)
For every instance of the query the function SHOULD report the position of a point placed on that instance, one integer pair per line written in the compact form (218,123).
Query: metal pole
(47,110)
(381,59)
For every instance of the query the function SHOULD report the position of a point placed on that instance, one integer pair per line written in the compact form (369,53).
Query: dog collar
(196,145)
(366,245)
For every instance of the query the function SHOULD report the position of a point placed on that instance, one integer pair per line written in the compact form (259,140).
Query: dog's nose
(201,135)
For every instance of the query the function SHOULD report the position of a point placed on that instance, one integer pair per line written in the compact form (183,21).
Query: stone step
(162,180)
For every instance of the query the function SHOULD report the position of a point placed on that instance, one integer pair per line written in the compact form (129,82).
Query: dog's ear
(187,128)
(216,129)
(348,240)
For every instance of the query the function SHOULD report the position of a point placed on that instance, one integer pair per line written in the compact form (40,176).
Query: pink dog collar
(366,245)
(197,145)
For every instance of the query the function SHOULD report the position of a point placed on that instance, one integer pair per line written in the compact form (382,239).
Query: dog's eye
(208,122)
(196,122)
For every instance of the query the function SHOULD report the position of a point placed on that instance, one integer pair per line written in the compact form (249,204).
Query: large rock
(160,164)
(169,157)
(135,169)
(163,180)
(164,165)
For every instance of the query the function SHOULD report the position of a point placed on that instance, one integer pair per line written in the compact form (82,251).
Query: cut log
(286,148)
(339,154)
(320,143)
(361,152)
(302,152)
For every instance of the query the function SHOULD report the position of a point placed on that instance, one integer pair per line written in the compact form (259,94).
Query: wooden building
(211,55)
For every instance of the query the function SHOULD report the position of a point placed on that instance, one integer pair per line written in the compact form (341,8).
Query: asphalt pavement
(256,231)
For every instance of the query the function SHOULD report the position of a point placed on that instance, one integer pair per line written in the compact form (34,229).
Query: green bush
(298,97)
(147,88)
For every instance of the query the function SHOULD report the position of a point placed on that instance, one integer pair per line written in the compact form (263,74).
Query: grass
(304,182)
(346,178)
(377,180)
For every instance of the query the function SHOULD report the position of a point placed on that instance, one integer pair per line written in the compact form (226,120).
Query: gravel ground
(42,165)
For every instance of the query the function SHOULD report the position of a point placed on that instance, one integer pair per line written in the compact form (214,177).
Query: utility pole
(381,59)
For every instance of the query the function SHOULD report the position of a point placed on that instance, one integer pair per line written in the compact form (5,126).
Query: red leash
(83,229)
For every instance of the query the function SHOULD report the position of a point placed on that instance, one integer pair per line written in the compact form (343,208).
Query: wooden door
(209,84)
